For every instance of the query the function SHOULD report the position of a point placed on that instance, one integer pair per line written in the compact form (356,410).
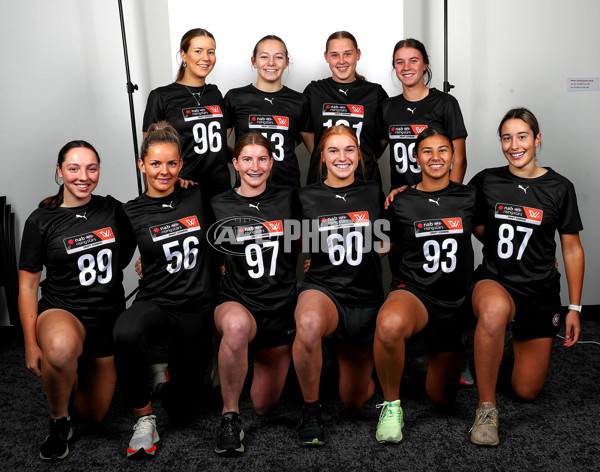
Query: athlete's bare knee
(236,332)
(526,392)
(61,353)
(309,327)
(391,328)
(262,405)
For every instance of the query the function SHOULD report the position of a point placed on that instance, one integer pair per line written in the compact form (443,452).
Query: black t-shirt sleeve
(230,110)
(453,119)
(304,123)
(480,214)
(569,220)
(127,243)
(154,110)
(32,247)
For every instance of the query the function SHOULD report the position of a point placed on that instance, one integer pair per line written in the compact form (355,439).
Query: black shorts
(447,329)
(98,334)
(274,327)
(537,316)
(356,324)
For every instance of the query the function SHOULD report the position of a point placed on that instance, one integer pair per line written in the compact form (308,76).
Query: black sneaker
(229,439)
(56,446)
(310,432)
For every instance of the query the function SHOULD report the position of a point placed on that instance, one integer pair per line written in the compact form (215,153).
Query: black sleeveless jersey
(280,117)
(84,250)
(202,130)
(171,237)
(433,231)
(357,105)
(260,269)
(521,218)
(404,121)
(340,228)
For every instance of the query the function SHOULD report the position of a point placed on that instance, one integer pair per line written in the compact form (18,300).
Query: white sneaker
(144,439)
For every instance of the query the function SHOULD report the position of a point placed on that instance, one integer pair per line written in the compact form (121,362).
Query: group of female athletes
(217,270)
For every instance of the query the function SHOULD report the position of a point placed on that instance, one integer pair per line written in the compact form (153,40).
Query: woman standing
(174,300)
(417,108)
(84,244)
(342,290)
(196,110)
(522,207)
(346,98)
(432,284)
(257,296)
(270,108)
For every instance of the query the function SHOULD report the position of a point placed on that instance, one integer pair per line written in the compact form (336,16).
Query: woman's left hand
(186,183)
(573,328)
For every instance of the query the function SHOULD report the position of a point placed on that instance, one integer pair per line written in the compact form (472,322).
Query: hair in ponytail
(159,133)
(344,35)
(57,200)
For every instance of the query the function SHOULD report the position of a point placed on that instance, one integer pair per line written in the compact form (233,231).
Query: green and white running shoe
(391,422)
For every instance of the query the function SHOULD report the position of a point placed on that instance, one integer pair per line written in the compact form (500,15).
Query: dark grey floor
(559,431)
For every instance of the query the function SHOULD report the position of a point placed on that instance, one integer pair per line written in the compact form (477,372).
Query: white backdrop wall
(520,53)
(64,78)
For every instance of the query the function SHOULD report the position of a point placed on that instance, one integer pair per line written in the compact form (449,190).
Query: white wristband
(576,308)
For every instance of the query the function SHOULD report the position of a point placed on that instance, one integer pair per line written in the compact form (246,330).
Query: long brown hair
(184,45)
(57,200)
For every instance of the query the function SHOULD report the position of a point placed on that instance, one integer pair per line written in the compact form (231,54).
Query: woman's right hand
(138,267)
(390,198)
(33,360)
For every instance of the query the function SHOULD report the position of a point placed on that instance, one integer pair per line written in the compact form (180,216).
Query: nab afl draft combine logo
(230,234)
(202,113)
(85,241)
(556,319)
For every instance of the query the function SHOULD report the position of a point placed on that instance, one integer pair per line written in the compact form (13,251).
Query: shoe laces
(229,426)
(385,408)
(486,418)
(311,416)
(145,425)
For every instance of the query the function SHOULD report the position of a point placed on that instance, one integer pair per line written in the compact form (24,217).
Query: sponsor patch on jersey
(508,211)
(258,231)
(268,122)
(426,228)
(202,113)
(405,131)
(171,229)
(343,220)
(85,241)
(228,235)
(337,109)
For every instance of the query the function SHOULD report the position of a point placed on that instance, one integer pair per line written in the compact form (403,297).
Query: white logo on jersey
(254,206)
(339,196)
(437,202)
(82,216)
(524,188)
(168,205)
(345,92)
(412,110)
(270,100)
